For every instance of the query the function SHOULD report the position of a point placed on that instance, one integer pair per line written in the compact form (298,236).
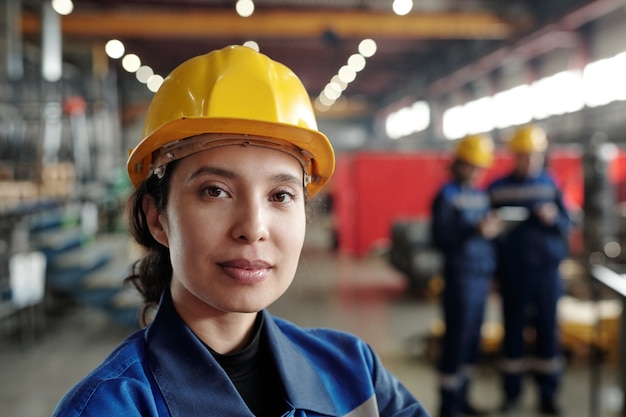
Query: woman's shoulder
(128,353)
(123,374)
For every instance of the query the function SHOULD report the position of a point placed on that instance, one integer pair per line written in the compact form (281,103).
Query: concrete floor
(363,296)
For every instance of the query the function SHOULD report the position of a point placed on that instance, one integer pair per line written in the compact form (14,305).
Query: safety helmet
(529,139)
(476,150)
(235,92)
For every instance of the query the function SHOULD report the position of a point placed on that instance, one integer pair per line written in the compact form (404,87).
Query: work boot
(470,410)
(549,408)
(509,406)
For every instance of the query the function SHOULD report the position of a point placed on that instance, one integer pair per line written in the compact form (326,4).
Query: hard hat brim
(313,142)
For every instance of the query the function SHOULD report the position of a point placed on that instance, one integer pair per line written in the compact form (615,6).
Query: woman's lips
(246,271)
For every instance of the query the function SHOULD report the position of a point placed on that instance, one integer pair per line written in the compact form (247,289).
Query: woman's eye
(214,192)
(283,196)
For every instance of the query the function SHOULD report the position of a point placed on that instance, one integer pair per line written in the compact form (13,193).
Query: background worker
(230,155)
(528,273)
(463,229)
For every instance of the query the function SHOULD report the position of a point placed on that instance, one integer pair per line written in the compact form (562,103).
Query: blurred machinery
(601,247)
(412,253)
(60,197)
(600,227)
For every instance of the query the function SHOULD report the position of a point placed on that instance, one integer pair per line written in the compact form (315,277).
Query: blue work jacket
(457,210)
(165,370)
(532,242)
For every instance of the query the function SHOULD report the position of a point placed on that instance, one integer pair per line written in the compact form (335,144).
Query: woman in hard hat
(529,279)
(463,230)
(230,155)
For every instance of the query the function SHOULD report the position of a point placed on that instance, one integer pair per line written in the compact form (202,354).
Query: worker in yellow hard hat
(229,157)
(529,279)
(463,230)
(529,145)
(476,150)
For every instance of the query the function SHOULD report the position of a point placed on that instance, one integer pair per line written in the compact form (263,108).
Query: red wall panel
(372,190)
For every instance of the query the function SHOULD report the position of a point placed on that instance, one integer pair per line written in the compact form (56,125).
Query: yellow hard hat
(529,139)
(476,150)
(235,92)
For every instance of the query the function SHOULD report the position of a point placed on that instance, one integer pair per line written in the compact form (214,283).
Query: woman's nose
(251,222)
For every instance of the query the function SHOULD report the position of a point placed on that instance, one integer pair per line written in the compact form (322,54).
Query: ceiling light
(154,83)
(346,74)
(131,62)
(114,49)
(244,8)
(402,7)
(326,101)
(144,73)
(252,45)
(356,62)
(367,47)
(63,7)
(336,80)
(331,91)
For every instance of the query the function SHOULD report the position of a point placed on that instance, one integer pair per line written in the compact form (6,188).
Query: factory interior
(394,85)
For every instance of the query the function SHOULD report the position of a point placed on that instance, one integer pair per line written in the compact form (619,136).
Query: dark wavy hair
(152,273)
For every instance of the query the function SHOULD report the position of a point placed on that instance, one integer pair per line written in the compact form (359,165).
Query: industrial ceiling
(316,37)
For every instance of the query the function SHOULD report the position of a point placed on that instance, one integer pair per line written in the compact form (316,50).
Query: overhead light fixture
(154,83)
(356,62)
(252,45)
(131,63)
(367,47)
(402,7)
(63,7)
(244,8)
(114,49)
(346,74)
(144,73)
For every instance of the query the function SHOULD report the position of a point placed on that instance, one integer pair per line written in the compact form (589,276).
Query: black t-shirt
(254,374)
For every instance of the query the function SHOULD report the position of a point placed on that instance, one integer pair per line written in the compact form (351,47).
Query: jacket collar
(192,382)
(303,385)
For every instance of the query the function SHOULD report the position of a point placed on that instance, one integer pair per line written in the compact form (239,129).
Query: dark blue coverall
(469,263)
(530,283)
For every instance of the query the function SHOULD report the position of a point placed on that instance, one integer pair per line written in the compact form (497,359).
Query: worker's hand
(491,226)
(547,213)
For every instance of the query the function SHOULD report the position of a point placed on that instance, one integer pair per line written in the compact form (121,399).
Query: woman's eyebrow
(208,170)
(287,178)
(225,173)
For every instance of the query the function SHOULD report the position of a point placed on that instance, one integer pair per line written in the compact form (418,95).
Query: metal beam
(275,23)
(556,35)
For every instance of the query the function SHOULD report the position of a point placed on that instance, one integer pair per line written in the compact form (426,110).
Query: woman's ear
(153,218)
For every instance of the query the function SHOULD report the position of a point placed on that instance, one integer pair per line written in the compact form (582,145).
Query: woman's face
(235,226)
